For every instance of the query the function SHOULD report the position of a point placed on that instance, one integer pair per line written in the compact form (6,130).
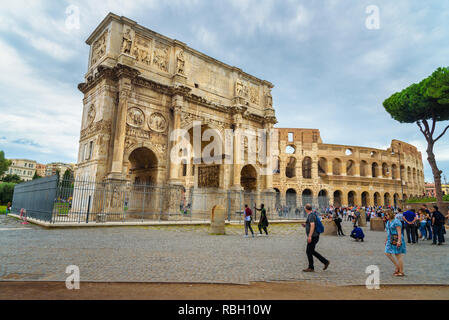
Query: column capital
(177,102)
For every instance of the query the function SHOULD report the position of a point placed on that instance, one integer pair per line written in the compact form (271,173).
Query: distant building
(40,169)
(24,168)
(430,189)
(55,166)
(445,188)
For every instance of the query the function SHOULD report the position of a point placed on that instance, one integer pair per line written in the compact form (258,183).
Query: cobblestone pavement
(189,254)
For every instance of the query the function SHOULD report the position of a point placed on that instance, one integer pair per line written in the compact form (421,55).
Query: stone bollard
(362,222)
(330,228)
(217,221)
(376,224)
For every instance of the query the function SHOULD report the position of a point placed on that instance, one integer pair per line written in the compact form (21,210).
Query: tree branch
(442,134)
(421,129)
(426,125)
(433,124)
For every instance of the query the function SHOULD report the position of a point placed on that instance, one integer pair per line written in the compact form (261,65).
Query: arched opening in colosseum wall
(402,175)
(307,197)
(365,199)
(290,170)
(350,168)
(387,199)
(337,198)
(363,168)
(351,198)
(336,167)
(278,198)
(385,170)
(375,170)
(409,174)
(322,167)
(290,199)
(414,175)
(377,199)
(307,168)
(290,149)
(323,199)
(395,199)
(394,171)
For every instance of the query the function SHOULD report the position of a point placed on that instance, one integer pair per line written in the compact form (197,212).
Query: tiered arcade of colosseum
(309,170)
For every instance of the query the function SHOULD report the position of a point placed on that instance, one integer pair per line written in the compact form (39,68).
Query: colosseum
(141,87)
(309,170)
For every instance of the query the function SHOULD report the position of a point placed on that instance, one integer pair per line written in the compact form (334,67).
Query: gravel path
(189,254)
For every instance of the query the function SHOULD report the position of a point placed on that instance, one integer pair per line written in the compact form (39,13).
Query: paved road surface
(189,254)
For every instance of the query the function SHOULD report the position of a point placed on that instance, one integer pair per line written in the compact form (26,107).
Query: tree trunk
(436,174)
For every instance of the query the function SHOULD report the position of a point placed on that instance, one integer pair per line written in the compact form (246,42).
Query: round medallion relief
(91,115)
(135,117)
(157,122)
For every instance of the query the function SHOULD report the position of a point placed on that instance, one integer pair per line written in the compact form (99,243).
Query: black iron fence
(88,201)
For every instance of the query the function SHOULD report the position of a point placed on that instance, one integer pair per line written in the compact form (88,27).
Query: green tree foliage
(67,175)
(13,178)
(4,163)
(67,179)
(36,176)
(6,192)
(424,103)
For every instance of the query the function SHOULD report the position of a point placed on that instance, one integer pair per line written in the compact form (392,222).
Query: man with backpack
(248,218)
(313,227)
(438,225)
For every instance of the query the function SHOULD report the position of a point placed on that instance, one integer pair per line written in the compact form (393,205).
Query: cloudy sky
(329,70)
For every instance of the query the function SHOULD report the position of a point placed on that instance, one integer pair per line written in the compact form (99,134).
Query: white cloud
(265,16)
(34,110)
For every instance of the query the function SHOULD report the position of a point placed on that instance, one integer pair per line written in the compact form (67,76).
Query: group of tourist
(424,224)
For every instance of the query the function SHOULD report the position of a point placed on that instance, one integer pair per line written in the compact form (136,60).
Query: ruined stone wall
(369,174)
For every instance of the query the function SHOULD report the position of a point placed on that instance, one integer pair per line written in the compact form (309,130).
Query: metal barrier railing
(89,201)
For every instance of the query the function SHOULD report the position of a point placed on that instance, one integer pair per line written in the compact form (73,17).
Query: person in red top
(248,219)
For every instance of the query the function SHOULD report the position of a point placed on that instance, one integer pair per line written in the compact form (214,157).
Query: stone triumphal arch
(142,87)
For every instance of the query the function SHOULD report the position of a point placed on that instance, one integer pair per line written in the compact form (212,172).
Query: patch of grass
(62,208)
(426,200)
(2,209)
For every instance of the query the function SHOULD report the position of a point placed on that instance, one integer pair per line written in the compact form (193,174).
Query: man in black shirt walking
(312,239)
(438,225)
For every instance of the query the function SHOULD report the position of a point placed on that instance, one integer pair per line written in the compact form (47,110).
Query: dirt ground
(176,291)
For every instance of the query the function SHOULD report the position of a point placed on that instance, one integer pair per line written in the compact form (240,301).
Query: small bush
(6,192)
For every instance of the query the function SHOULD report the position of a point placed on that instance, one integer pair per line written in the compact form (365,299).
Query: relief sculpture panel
(157,122)
(91,115)
(99,48)
(135,117)
(208,176)
(160,57)
(142,51)
(254,94)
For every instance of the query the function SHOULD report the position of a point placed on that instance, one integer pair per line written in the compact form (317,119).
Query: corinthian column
(125,76)
(237,153)
(270,145)
(178,102)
